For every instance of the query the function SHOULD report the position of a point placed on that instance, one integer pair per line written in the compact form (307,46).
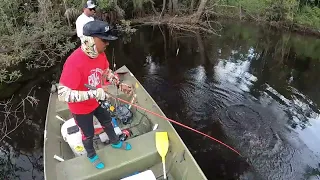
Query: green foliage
(126,31)
(10,17)
(309,16)
(74,3)
(301,12)
(281,10)
(106,5)
(37,38)
(255,7)
(8,77)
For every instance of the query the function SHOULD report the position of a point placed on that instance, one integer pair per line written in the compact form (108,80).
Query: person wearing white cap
(89,10)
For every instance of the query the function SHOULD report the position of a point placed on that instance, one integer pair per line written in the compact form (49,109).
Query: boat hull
(180,163)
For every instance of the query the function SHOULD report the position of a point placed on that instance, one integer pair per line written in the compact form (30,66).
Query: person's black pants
(85,122)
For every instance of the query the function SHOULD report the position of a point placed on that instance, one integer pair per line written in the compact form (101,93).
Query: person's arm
(69,83)
(66,94)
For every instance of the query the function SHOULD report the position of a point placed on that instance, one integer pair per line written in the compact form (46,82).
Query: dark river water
(251,87)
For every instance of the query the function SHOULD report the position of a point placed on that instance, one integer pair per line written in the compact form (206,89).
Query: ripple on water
(256,139)
(244,121)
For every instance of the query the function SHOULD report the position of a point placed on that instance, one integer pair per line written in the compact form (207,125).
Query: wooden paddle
(162,144)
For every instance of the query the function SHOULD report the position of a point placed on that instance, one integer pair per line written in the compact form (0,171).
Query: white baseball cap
(90,4)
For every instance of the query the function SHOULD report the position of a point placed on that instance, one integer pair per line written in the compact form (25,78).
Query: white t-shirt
(81,21)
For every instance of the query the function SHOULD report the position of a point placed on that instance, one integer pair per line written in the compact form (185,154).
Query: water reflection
(16,164)
(302,118)
(234,75)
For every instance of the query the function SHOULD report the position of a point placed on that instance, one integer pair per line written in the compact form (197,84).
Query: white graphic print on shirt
(94,78)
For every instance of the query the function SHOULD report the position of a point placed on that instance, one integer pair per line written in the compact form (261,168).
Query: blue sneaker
(122,145)
(97,162)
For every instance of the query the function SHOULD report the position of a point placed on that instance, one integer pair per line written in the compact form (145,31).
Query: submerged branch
(14,115)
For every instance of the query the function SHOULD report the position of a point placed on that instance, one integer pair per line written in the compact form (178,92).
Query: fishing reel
(121,112)
(126,133)
(105,104)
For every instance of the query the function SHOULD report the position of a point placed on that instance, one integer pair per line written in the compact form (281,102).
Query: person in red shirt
(87,65)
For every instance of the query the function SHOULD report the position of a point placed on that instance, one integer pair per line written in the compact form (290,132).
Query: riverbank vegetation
(297,15)
(33,32)
(38,32)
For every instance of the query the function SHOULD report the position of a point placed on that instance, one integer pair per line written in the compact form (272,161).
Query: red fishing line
(171,120)
(180,124)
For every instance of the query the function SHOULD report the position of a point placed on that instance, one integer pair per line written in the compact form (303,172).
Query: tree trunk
(201,48)
(199,12)
(170,7)
(174,6)
(191,7)
(119,11)
(153,8)
(65,8)
(163,8)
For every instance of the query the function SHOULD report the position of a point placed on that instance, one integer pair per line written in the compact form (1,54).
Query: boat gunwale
(45,133)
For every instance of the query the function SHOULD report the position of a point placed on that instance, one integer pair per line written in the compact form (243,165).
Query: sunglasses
(92,9)
(104,41)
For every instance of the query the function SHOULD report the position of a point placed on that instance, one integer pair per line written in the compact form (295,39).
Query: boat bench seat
(118,163)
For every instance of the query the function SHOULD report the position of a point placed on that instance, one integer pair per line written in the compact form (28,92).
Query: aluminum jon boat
(65,157)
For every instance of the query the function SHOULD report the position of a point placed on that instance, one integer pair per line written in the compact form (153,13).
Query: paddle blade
(162,143)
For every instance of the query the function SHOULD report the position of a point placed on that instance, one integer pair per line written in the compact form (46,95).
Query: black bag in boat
(123,114)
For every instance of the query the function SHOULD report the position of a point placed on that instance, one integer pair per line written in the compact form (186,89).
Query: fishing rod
(168,119)
(113,69)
